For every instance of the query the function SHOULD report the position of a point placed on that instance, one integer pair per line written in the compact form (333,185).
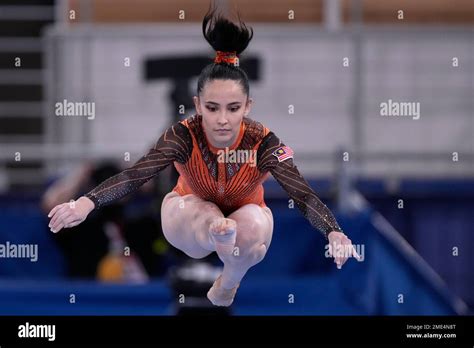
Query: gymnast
(218,201)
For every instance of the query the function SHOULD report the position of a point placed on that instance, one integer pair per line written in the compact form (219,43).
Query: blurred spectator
(92,248)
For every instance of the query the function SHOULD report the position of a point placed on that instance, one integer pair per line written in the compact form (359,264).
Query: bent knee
(252,215)
(250,256)
(254,225)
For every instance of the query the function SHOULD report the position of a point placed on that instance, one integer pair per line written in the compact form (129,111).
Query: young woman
(223,157)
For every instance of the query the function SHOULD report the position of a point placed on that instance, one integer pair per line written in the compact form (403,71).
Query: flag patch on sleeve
(283,153)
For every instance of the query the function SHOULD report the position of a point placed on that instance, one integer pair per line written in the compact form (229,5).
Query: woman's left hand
(341,248)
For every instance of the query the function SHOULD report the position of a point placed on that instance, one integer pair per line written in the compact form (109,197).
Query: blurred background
(87,86)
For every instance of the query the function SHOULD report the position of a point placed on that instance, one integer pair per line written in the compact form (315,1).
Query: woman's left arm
(277,158)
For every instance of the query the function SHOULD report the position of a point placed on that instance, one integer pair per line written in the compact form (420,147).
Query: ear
(197,106)
(248,106)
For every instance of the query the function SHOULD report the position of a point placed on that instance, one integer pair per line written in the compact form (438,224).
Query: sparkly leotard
(229,177)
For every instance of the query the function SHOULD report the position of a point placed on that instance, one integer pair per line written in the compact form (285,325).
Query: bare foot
(220,296)
(223,233)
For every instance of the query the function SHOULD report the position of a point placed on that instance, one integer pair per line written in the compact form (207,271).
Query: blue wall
(295,266)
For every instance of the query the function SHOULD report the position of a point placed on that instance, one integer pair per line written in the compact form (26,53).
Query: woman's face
(223,105)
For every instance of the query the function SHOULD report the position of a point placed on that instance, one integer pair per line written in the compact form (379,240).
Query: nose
(222,118)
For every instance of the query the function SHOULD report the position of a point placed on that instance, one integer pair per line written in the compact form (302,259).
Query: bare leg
(196,227)
(253,238)
(185,222)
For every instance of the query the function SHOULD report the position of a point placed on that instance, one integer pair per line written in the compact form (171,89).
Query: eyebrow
(214,103)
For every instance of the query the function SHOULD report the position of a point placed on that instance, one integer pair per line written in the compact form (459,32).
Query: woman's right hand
(70,214)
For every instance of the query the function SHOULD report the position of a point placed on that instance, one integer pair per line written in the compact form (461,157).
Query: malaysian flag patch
(283,153)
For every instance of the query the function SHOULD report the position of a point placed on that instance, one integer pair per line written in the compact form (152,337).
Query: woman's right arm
(174,145)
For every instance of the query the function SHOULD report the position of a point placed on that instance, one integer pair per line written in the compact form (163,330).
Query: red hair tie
(227,57)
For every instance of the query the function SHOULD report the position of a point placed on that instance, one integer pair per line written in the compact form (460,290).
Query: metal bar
(332,15)
(358,88)
(424,270)
(61,12)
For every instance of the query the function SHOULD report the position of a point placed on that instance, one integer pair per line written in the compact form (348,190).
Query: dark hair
(223,35)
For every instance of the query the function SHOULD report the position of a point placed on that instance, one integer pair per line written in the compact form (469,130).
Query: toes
(223,226)
(223,239)
(230,224)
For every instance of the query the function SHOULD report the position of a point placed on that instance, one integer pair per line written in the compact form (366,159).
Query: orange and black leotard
(229,177)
